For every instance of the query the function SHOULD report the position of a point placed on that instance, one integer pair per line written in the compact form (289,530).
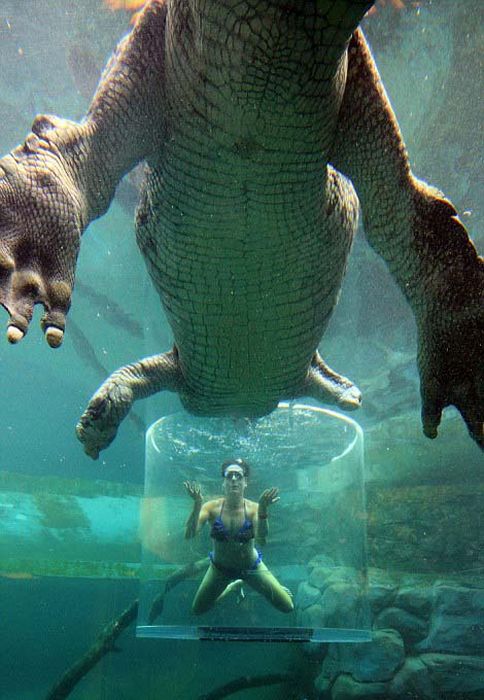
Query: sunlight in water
(132,5)
(396,4)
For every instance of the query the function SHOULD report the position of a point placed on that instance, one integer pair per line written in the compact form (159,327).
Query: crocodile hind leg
(99,423)
(322,383)
(328,386)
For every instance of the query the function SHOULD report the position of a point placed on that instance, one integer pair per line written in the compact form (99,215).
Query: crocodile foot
(99,423)
(327,386)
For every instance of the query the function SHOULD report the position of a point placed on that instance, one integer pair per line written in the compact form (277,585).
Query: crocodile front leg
(59,180)
(65,174)
(425,245)
(99,423)
(342,207)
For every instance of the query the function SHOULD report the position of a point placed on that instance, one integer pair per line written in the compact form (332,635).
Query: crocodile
(265,129)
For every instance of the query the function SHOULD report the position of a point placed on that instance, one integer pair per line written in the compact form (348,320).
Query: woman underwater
(237,524)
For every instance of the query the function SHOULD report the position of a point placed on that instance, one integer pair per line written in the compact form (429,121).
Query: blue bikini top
(220,533)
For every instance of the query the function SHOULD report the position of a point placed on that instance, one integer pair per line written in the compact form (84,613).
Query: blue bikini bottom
(236,573)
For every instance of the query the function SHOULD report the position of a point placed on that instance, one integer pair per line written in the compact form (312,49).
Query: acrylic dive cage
(316,545)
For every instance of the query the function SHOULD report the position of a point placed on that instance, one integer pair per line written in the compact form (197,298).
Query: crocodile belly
(248,267)
(234,224)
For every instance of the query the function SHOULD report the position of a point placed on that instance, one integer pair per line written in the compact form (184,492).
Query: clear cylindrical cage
(316,545)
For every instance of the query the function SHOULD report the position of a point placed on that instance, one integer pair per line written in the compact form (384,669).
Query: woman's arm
(266,499)
(261,529)
(200,512)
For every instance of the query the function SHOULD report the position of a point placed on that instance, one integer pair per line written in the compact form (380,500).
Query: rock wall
(428,636)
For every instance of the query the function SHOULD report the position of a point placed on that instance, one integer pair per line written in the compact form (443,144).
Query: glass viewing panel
(316,544)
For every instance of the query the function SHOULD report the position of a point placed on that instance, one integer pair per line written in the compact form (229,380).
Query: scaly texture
(262,124)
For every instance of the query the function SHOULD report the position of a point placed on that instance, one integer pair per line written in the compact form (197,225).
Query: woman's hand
(194,490)
(266,499)
(197,517)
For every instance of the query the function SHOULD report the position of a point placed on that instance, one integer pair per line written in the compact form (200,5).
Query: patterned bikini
(246,533)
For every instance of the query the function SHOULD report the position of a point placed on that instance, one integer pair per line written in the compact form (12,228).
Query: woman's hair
(240,463)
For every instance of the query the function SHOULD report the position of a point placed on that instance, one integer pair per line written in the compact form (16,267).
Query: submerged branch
(245,682)
(102,646)
(106,640)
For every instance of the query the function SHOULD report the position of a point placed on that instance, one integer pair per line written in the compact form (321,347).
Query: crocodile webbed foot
(111,403)
(99,423)
(453,376)
(40,231)
(449,310)
(451,362)
(327,386)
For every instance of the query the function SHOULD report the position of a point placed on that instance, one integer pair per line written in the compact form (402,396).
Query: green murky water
(70,528)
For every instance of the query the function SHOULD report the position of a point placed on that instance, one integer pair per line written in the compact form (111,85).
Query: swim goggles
(232,474)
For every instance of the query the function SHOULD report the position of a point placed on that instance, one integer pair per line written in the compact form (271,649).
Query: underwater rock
(395,453)
(331,597)
(346,688)
(319,576)
(413,680)
(323,576)
(322,686)
(452,673)
(457,600)
(415,599)
(434,676)
(312,616)
(412,628)
(341,604)
(457,622)
(320,560)
(381,595)
(402,662)
(306,595)
(373,661)
(424,527)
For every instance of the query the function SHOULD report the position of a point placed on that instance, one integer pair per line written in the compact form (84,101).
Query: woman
(237,524)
